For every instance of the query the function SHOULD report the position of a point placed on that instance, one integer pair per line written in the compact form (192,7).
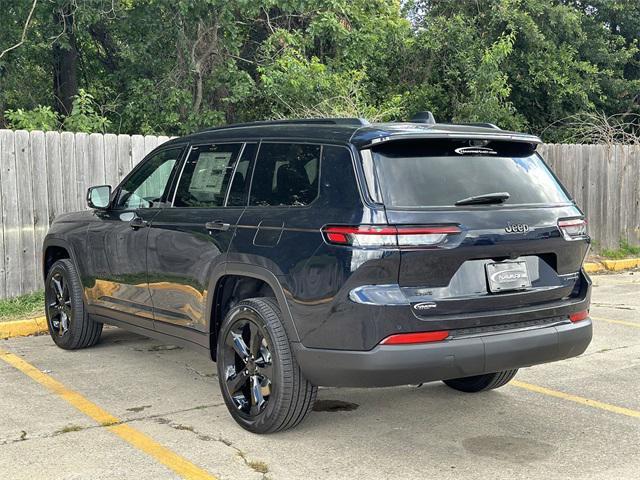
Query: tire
(63,299)
(267,393)
(480,383)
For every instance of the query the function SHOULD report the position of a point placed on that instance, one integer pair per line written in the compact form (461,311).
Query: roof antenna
(424,117)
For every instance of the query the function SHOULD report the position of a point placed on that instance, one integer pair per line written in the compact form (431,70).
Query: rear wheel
(480,383)
(69,324)
(261,382)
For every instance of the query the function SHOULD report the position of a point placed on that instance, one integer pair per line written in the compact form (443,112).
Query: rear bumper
(345,324)
(387,365)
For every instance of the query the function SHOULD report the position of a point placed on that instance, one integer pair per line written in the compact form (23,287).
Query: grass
(256,465)
(25,306)
(69,429)
(624,251)
(259,467)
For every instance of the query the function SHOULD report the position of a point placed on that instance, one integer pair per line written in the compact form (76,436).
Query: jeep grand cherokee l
(331,252)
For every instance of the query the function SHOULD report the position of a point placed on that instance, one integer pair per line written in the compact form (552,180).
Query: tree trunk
(65,65)
(197,101)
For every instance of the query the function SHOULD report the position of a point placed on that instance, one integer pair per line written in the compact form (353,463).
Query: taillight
(579,316)
(388,235)
(573,228)
(420,337)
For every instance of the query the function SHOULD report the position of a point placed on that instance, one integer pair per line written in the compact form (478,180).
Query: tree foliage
(173,66)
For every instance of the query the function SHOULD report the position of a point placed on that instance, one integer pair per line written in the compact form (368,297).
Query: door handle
(217,225)
(137,222)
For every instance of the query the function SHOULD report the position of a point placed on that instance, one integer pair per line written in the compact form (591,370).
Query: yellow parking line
(619,322)
(134,437)
(575,398)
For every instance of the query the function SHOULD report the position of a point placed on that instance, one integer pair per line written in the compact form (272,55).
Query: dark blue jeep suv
(331,252)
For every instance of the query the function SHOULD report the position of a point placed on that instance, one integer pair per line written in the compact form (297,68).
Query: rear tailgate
(454,276)
(420,183)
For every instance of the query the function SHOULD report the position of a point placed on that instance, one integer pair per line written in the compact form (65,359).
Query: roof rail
(480,124)
(353,121)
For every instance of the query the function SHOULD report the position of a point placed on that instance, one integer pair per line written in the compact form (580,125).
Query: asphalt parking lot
(136,408)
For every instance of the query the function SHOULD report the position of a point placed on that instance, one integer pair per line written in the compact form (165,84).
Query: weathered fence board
(39,173)
(124,155)
(10,216)
(54,175)
(96,164)
(137,149)
(25,212)
(45,175)
(111,159)
(82,168)
(150,142)
(3,290)
(68,178)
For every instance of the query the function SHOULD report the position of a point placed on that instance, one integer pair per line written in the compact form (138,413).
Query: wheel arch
(262,278)
(54,250)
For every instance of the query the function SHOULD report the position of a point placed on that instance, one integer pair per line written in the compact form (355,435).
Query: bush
(85,116)
(39,118)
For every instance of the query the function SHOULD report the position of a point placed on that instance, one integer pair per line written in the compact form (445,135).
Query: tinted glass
(286,174)
(241,178)
(411,178)
(145,188)
(206,175)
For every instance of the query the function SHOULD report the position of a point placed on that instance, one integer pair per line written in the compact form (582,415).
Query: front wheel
(480,383)
(69,324)
(261,382)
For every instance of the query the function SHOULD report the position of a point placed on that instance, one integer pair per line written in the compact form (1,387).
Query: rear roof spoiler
(502,136)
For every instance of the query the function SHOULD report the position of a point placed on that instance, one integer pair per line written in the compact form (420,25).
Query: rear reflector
(388,235)
(573,228)
(578,316)
(420,337)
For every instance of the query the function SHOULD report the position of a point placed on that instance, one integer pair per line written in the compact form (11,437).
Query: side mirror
(99,197)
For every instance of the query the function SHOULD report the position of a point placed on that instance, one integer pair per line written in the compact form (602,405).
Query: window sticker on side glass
(209,172)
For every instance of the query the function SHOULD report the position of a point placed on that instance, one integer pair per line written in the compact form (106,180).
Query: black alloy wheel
(58,300)
(248,366)
(261,382)
(69,324)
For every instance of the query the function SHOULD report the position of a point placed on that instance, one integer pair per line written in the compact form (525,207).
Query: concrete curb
(611,265)
(593,267)
(23,328)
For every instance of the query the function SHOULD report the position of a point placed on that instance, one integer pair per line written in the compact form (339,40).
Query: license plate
(507,276)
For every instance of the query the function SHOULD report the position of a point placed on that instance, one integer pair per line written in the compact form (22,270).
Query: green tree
(174,66)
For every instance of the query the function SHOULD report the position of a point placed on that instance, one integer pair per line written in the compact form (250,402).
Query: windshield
(409,177)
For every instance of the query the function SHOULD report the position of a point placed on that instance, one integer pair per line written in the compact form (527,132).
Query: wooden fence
(45,174)
(604,180)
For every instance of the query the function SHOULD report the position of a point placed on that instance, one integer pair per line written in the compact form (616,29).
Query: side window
(145,188)
(206,175)
(242,177)
(286,174)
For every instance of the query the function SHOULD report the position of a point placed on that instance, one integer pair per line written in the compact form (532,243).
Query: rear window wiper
(486,198)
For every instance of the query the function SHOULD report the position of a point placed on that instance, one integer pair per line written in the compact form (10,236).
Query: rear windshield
(424,174)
